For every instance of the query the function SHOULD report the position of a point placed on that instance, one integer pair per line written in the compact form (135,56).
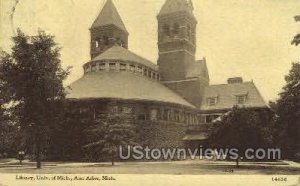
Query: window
(105,40)
(132,68)
(188,29)
(166,30)
(153,115)
(149,74)
(112,66)
(176,29)
(127,110)
(114,109)
(153,75)
(212,101)
(140,69)
(94,67)
(142,117)
(97,44)
(145,72)
(241,99)
(122,67)
(102,66)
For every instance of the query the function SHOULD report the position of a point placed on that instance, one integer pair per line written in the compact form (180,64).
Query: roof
(172,6)
(109,16)
(192,137)
(123,85)
(226,94)
(197,68)
(119,53)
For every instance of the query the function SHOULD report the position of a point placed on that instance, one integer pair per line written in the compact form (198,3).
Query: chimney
(235,80)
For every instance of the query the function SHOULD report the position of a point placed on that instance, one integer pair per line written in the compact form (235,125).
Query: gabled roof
(119,53)
(109,16)
(172,6)
(197,68)
(123,85)
(226,96)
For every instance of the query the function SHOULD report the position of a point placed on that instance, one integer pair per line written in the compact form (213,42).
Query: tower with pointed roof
(107,30)
(176,39)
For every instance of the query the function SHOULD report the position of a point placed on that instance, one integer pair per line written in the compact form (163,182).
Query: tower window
(176,28)
(188,28)
(166,30)
(105,40)
(97,44)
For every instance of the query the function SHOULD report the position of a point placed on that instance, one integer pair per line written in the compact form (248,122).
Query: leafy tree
(35,77)
(288,114)
(108,134)
(8,128)
(241,129)
(296,40)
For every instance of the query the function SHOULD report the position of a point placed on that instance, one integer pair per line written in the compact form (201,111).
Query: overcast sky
(248,38)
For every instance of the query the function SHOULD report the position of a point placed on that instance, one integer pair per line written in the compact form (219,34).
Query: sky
(247,38)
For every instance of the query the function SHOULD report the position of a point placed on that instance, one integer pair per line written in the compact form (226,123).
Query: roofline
(145,100)
(91,28)
(125,61)
(228,109)
(231,84)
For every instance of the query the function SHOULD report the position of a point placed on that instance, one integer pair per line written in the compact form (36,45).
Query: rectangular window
(127,110)
(122,67)
(142,117)
(212,101)
(153,115)
(94,67)
(149,74)
(132,68)
(113,109)
(112,66)
(140,69)
(241,99)
(145,72)
(211,118)
(102,66)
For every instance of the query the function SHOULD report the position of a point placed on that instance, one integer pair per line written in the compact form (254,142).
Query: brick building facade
(172,103)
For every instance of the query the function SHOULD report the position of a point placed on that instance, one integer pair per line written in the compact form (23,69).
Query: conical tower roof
(109,16)
(172,6)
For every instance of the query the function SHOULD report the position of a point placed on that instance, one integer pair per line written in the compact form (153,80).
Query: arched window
(188,30)
(166,30)
(176,29)
(105,40)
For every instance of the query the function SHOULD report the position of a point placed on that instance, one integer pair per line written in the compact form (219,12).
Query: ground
(187,167)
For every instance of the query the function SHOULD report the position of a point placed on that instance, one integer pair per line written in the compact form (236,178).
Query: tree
(288,113)
(109,134)
(8,127)
(241,129)
(296,40)
(35,77)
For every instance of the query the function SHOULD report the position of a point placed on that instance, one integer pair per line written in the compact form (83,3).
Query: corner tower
(107,30)
(176,39)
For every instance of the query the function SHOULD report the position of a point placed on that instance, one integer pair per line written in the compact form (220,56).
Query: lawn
(172,167)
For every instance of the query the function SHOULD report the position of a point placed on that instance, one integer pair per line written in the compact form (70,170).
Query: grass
(172,168)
